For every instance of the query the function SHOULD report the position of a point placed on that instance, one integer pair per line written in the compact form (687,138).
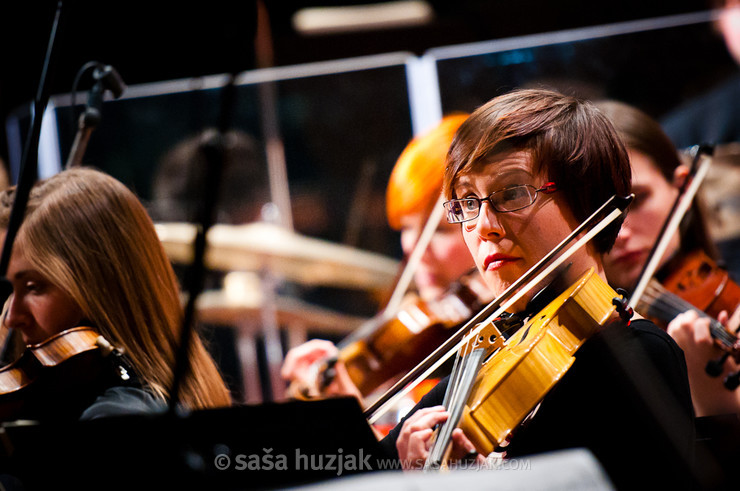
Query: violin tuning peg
(105,347)
(714,368)
(732,381)
(622,304)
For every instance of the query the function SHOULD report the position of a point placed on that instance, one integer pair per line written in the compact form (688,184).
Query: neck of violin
(456,396)
(660,303)
(465,370)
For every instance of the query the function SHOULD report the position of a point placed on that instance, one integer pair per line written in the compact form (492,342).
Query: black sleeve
(432,398)
(626,399)
(122,401)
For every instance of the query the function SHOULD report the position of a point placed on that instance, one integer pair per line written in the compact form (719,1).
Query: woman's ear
(680,174)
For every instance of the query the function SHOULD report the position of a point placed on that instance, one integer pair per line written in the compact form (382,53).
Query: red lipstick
(498,260)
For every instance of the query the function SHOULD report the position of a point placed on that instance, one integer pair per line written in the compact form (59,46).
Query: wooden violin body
(406,339)
(398,343)
(51,377)
(695,281)
(702,283)
(517,377)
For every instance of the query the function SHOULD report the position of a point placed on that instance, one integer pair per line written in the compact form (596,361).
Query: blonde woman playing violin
(87,254)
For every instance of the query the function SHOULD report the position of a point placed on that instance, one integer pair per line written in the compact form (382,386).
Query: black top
(626,399)
(122,401)
(82,387)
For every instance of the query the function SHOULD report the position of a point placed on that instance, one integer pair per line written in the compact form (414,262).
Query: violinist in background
(413,190)
(657,174)
(529,167)
(87,254)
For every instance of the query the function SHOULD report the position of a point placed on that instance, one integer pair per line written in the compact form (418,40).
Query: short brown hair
(567,138)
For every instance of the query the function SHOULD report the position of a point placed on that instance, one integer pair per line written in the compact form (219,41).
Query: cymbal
(263,246)
(215,307)
(241,299)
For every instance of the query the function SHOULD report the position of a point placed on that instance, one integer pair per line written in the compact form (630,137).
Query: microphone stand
(214,151)
(106,78)
(29,161)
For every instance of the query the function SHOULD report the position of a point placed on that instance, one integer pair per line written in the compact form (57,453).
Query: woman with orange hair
(413,190)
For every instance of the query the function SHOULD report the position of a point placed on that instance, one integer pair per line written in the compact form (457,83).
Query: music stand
(266,446)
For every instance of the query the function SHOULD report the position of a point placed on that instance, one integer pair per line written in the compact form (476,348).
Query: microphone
(110,79)
(106,78)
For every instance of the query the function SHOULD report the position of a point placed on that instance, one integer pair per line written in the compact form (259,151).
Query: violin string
(470,365)
(672,303)
(667,305)
(454,378)
(449,398)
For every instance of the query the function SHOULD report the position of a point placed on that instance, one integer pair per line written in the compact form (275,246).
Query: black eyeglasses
(505,200)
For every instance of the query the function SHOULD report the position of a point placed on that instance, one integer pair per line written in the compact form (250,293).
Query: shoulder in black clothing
(122,401)
(626,399)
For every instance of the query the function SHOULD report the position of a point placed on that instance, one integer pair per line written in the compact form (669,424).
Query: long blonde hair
(89,235)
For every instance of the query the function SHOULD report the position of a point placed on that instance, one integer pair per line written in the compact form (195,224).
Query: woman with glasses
(522,173)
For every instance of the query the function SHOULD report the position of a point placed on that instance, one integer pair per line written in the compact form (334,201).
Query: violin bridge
(489,339)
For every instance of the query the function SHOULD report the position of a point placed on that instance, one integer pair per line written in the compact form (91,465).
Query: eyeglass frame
(547,188)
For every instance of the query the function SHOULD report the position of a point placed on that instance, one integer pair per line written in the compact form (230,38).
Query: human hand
(692,333)
(301,367)
(300,364)
(415,439)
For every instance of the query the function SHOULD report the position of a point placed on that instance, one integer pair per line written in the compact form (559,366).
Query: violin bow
(29,161)
(612,208)
(28,168)
(390,309)
(420,247)
(697,174)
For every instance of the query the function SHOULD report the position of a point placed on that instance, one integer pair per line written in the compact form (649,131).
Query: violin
(60,376)
(697,279)
(391,345)
(543,269)
(694,280)
(511,377)
(402,342)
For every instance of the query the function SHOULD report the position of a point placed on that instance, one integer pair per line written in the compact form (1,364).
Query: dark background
(150,41)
